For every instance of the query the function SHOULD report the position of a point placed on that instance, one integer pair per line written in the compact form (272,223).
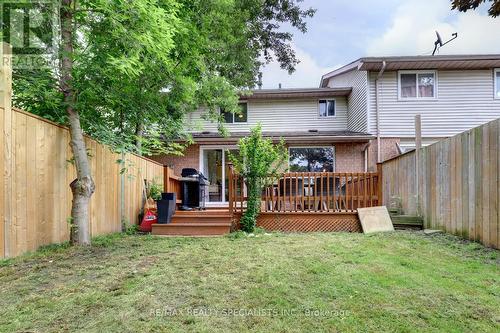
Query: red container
(148,219)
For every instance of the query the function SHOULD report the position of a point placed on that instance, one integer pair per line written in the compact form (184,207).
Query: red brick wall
(189,160)
(349,157)
(388,150)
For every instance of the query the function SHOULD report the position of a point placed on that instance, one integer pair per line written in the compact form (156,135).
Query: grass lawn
(399,282)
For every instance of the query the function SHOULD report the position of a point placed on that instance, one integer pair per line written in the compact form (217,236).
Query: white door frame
(224,201)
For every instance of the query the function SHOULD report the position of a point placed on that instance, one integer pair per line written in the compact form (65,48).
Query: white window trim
(224,201)
(237,122)
(418,98)
(496,83)
(331,147)
(334,108)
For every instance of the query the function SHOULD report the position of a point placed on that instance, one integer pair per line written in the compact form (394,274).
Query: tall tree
(466,5)
(136,22)
(83,186)
(131,70)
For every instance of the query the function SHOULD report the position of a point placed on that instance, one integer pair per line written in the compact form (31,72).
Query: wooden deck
(294,202)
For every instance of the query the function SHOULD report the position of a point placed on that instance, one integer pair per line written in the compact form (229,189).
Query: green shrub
(155,190)
(257,159)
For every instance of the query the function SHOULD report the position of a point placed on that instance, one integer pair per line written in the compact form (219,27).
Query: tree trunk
(139,132)
(249,219)
(83,186)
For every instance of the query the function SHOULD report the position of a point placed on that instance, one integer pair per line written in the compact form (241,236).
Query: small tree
(258,159)
(466,5)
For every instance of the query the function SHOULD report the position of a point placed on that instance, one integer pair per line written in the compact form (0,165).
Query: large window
(416,85)
(327,108)
(497,83)
(240,117)
(312,159)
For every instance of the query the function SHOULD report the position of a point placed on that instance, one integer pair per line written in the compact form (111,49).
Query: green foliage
(141,66)
(258,158)
(131,229)
(466,5)
(36,91)
(154,190)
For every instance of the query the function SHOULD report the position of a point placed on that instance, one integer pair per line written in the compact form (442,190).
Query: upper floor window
(240,117)
(419,84)
(327,108)
(497,83)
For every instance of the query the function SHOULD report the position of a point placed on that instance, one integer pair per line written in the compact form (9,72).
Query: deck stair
(406,222)
(196,223)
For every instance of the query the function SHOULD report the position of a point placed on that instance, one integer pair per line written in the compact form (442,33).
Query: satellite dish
(439,42)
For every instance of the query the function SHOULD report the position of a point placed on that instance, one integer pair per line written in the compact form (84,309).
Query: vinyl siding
(282,115)
(357,119)
(464,100)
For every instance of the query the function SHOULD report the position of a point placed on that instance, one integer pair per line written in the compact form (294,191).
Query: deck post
(231,187)
(380,191)
(166,178)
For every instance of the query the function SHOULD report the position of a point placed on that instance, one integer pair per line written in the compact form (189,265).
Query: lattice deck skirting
(307,222)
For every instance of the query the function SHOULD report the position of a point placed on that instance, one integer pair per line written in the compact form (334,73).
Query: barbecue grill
(194,186)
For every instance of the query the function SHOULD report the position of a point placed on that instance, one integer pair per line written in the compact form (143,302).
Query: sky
(344,30)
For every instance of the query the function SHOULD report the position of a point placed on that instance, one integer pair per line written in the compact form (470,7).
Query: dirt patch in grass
(399,281)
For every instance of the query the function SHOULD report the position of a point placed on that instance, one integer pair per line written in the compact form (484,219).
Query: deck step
(192,229)
(407,222)
(182,215)
(201,216)
(201,212)
(206,218)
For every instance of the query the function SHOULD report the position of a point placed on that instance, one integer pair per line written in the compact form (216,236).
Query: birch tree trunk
(83,186)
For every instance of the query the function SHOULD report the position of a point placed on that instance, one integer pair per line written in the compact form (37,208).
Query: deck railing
(312,192)
(171,183)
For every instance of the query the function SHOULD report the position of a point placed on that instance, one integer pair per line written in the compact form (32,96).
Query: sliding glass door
(212,169)
(214,166)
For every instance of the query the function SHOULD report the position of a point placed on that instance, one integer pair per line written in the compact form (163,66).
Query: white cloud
(307,73)
(414,22)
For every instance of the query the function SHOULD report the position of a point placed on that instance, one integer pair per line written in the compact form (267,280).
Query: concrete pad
(432,231)
(375,219)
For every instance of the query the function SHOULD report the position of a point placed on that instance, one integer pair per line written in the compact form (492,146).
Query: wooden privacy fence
(312,192)
(458,190)
(35,201)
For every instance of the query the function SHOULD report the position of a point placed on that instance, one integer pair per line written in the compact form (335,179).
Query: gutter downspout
(380,73)
(365,152)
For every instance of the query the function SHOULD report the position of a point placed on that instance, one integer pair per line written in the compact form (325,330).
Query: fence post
(5,149)
(231,187)
(418,158)
(166,178)
(122,192)
(380,191)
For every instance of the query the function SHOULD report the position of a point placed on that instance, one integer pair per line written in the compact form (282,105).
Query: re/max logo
(28,25)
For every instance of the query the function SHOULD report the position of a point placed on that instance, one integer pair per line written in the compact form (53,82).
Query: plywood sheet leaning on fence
(375,219)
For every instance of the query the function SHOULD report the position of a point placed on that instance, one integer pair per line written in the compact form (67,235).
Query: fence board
(35,175)
(459,188)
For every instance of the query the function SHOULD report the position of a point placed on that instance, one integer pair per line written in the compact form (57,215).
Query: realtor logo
(28,26)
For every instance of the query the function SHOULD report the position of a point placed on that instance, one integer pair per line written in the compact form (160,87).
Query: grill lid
(189,172)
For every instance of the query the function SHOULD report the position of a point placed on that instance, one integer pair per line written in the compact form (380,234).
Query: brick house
(361,114)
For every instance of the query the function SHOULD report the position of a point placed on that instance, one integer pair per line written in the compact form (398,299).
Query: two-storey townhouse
(361,114)
(313,122)
(452,93)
